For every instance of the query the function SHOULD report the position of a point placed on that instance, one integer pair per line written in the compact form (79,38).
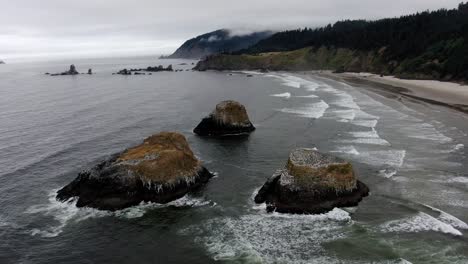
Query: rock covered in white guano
(312,182)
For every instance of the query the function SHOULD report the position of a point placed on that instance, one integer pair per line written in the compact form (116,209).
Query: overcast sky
(38,29)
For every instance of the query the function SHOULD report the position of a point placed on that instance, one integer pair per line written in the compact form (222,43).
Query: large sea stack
(162,169)
(228,118)
(312,183)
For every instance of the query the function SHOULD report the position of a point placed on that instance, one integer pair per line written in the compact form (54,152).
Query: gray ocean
(411,154)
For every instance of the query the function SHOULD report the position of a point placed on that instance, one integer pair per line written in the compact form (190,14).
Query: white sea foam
(67,212)
(392,158)
(284,95)
(458,147)
(314,110)
(252,72)
(366,141)
(62,213)
(295,82)
(307,96)
(419,223)
(365,134)
(311,86)
(387,173)
(347,150)
(365,123)
(342,115)
(448,218)
(270,238)
(346,101)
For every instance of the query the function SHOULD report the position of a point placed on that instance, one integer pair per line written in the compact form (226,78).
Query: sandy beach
(449,94)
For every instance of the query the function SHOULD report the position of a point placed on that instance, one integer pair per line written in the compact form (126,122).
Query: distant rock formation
(162,169)
(2,62)
(215,42)
(312,182)
(137,71)
(228,118)
(90,71)
(71,71)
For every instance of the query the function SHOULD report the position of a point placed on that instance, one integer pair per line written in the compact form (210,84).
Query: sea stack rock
(228,118)
(72,70)
(312,183)
(90,71)
(162,169)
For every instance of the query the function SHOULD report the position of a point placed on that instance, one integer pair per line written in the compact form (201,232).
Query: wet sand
(452,95)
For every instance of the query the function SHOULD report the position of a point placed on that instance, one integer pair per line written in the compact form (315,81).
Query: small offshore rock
(71,71)
(228,118)
(312,183)
(161,169)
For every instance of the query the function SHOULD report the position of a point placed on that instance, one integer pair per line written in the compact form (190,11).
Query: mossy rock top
(163,158)
(312,170)
(231,112)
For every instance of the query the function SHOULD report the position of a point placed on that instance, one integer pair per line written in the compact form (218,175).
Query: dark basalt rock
(71,71)
(160,170)
(138,71)
(312,183)
(228,118)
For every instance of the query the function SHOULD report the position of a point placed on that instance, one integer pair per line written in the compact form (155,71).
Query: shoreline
(448,94)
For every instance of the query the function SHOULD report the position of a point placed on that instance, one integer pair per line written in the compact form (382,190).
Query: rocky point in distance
(161,169)
(141,71)
(227,119)
(312,183)
(71,71)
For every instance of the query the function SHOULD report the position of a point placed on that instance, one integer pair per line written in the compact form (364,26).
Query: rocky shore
(161,169)
(312,183)
(228,118)
(138,71)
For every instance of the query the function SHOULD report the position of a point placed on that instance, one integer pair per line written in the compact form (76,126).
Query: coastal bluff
(228,118)
(161,169)
(312,183)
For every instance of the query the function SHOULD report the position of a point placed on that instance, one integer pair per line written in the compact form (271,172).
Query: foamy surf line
(314,110)
(67,212)
(266,237)
(295,82)
(284,95)
(423,222)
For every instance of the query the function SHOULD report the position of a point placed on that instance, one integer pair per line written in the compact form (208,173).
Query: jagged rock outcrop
(138,71)
(228,118)
(71,71)
(312,182)
(161,169)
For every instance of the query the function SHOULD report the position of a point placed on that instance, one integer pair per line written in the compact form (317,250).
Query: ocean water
(412,156)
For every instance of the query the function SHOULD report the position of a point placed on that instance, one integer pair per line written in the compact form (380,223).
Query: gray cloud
(57,28)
